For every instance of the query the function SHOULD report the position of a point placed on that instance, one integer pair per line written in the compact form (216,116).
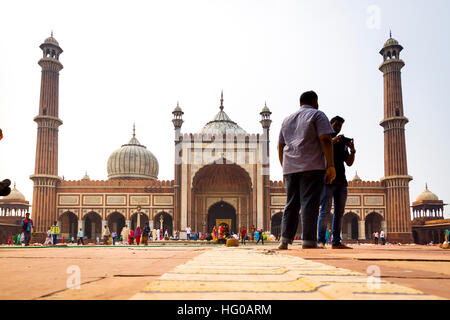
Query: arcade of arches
(92,223)
(351,225)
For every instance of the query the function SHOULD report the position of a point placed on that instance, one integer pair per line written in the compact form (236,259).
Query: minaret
(45,175)
(177,123)
(265,161)
(396,179)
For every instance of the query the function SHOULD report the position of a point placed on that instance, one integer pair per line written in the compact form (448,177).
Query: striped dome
(132,161)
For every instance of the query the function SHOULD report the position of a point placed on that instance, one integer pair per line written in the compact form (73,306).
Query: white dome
(15,195)
(132,161)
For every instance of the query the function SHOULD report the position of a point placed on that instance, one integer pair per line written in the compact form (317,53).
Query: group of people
(376,236)
(138,236)
(254,235)
(313,156)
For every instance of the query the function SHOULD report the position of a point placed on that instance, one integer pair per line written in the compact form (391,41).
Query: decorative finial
(426,185)
(134,130)
(265,104)
(14,184)
(178,105)
(390,34)
(51,34)
(221,101)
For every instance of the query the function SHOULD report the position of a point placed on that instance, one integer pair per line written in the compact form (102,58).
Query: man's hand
(330,175)
(351,146)
(337,139)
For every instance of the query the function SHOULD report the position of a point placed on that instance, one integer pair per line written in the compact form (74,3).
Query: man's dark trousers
(27,235)
(303,191)
(338,194)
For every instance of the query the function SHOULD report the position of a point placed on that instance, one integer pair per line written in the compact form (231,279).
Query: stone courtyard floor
(194,272)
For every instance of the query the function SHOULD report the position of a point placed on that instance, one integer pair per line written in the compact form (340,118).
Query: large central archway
(221,190)
(222,213)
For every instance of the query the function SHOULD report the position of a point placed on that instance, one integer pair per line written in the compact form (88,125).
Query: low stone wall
(7,230)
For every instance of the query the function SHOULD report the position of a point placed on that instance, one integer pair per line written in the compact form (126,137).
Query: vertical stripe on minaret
(396,179)
(45,175)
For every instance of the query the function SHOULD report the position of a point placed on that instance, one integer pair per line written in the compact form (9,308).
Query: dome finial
(426,185)
(134,130)
(390,33)
(221,100)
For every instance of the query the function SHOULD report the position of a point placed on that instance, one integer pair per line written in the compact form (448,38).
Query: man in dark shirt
(337,190)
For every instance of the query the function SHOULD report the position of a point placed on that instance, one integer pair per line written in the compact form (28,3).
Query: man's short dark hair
(308,97)
(337,118)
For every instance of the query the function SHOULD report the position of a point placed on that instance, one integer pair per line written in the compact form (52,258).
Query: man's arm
(280,152)
(327,148)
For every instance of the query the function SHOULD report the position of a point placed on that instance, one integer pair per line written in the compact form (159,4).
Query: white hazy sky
(130,61)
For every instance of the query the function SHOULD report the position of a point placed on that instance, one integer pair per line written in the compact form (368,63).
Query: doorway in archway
(222,213)
(116,222)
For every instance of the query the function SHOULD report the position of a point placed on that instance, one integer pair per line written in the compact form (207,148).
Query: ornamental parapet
(121,183)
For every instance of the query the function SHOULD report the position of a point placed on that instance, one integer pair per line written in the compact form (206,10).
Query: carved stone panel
(162,200)
(69,200)
(353,201)
(92,200)
(116,200)
(139,200)
(373,200)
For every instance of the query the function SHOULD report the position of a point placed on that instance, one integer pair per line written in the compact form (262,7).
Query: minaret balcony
(394,123)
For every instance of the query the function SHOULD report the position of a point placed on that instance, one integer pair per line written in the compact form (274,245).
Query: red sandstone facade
(238,189)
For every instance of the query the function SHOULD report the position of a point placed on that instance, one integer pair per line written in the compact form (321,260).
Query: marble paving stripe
(237,272)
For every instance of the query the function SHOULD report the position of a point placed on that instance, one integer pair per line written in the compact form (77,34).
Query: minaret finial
(51,33)
(426,185)
(221,100)
(134,130)
(390,33)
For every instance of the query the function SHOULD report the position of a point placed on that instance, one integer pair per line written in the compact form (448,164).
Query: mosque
(221,175)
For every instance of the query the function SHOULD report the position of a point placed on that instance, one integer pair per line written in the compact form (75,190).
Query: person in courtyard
(188,233)
(382,237)
(80,236)
(303,146)
(55,231)
(49,239)
(10,240)
(125,233)
(158,234)
(131,237)
(243,233)
(145,234)
(376,235)
(27,226)
(221,232)
(447,235)
(336,191)
(252,232)
(261,237)
(166,234)
(105,234)
(114,237)
(214,234)
(137,235)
